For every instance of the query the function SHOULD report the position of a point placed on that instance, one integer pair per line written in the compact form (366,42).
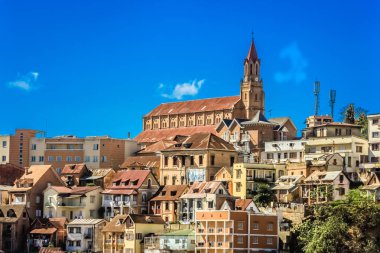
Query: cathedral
(188,117)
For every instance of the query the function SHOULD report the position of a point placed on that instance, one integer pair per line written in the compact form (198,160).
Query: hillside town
(204,176)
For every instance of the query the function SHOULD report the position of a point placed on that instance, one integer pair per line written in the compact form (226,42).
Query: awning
(44,231)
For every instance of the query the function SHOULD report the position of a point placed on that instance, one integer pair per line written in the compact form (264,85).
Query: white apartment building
(4,148)
(284,151)
(374,137)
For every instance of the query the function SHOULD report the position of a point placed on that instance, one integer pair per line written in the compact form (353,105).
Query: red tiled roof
(243,203)
(9,173)
(158,146)
(142,161)
(73,168)
(170,193)
(130,176)
(192,106)
(44,231)
(160,134)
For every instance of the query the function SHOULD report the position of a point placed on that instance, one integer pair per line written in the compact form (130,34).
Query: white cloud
(184,89)
(25,82)
(161,85)
(296,72)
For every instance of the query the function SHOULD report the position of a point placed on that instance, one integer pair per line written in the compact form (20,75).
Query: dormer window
(173,193)
(196,190)
(163,193)
(208,190)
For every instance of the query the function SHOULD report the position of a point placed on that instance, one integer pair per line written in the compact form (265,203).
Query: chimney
(26,170)
(129,135)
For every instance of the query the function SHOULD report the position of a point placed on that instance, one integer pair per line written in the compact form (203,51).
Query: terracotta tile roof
(132,178)
(146,219)
(160,134)
(192,106)
(141,161)
(44,231)
(73,168)
(18,210)
(158,146)
(35,172)
(170,193)
(78,190)
(9,173)
(117,224)
(59,222)
(242,204)
(202,141)
(50,250)
(200,189)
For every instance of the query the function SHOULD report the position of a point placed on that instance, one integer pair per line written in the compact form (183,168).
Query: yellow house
(82,202)
(125,233)
(246,177)
(225,175)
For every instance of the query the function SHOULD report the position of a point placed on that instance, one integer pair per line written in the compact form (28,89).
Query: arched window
(257,69)
(11,213)
(149,183)
(250,69)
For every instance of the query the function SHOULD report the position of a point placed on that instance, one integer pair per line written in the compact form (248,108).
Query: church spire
(252,53)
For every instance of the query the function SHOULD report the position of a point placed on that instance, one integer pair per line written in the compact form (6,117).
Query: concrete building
(80,202)
(179,241)
(189,117)
(247,176)
(28,190)
(236,231)
(197,158)
(85,235)
(96,152)
(126,233)
(317,120)
(288,189)
(324,186)
(292,151)
(15,149)
(129,193)
(374,137)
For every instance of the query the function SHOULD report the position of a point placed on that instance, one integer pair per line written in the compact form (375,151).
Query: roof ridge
(184,101)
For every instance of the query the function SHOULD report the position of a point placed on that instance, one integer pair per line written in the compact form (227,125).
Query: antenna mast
(317,89)
(332,101)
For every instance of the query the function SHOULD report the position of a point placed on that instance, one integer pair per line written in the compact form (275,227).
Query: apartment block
(284,151)
(230,231)
(97,152)
(374,137)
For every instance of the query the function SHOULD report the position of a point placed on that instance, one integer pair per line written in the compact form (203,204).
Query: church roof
(252,53)
(160,134)
(259,118)
(192,106)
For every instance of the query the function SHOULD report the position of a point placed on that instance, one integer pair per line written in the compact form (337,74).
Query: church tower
(251,87)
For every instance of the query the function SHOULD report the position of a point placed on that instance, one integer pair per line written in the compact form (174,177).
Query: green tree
(263,194)
(363,122)
(349,115)
(350,225)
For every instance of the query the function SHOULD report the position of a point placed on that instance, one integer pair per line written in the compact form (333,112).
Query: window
(212,160)
(175,161)
(166,161)
(87,159)
(269,241)
(77,243)
(375,147)
(92,199)
(92,213)
(138,236)
(4,144)
(38,199)
(255,240)
(359,149)
(238,187)
(201,160)
(211,204)
(41,159)
(71,243)
(270,226)
(255,226)
(375,135)
(33,159)
(96,147)
(38,213)
(34,146)
(240,225)
(199,204)
(285,155)
(293,155)
(69,159)
(51,158)
(4,158)
(232,161)
(342,191)
(77,158)
(191,160)
(375,122)
(95,159)
(183,161)
(59,158)
(240,240)
(104,159)
(166,205)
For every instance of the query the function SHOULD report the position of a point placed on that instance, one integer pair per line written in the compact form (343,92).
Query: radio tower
(332,102)
(317,89)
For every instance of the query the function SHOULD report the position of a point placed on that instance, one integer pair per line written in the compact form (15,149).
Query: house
(236,231)
(225,175)
(9,173)
(288,188)
(14,225)
(129,193)
(167,202)
(283,151)
(178,241)
(151,163)
(324,186)
(202,196)
(197,158)
(85,235)
(28,190)
(248,176)
(79,202)
(374,137)
(72,173)
(99,177)
(45,232)
(126,233)
(372,186)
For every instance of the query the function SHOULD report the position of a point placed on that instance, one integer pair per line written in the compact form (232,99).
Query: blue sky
(96,67)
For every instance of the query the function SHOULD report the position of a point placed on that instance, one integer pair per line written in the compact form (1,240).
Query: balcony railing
(71,204)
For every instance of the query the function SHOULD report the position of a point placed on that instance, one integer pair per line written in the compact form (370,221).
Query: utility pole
(332,102)
(317,89)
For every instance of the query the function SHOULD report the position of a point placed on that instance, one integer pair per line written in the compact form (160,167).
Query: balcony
(71,204)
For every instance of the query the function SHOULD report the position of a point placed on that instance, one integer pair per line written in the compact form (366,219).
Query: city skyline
(93,78)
